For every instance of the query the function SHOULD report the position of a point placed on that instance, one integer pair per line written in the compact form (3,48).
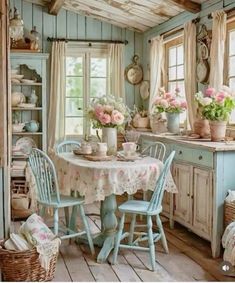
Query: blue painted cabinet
(203,173)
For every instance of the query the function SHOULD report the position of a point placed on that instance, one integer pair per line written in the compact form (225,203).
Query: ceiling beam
(55,6)
(187,5)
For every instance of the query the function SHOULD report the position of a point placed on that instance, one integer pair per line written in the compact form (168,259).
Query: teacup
(102,148)
(129,148)
(86,148)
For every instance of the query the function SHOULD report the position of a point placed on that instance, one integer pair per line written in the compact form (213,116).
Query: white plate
(26,144)
(26,81)
(26,105)
(133,157)
(18,77)
(144,90)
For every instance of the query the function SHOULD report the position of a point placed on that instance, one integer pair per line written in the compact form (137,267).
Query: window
(231,61)
(174,53)
(86,78)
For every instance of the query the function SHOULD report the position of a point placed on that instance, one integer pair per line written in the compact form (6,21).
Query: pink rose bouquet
(215,105)
(169,102)
(108,111)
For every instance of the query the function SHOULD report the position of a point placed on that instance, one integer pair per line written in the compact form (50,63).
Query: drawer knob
(200,157)
(180,152)
(188,194)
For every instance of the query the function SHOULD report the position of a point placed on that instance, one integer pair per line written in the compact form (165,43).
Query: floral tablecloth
(96,180)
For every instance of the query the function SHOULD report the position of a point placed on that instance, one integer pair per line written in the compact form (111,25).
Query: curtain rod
(176,30)
(209,16)
(51,39)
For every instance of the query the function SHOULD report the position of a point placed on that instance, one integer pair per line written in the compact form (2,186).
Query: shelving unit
(32,66)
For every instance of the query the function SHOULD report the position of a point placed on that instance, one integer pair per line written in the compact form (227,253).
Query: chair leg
(161,231)
(56,221)
(66,214)
(151,242)
(132,229)
(89,238)
(42,211)
(73,218)
(118,238)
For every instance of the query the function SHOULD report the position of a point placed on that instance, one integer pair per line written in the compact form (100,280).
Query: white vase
(173,122)
(109,136)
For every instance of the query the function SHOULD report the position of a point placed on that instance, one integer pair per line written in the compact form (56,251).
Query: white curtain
(217,49)
(190,69)
(116,68)
(56,123)
(156,67)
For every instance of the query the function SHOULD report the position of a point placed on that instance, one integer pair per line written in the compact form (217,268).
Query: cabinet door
(182,201)
(202,195)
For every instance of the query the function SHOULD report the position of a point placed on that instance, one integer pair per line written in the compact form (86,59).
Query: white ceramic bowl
(18,127)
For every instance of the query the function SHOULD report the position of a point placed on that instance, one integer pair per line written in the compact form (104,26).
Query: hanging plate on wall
(144,90)
(134,72)
(203,71)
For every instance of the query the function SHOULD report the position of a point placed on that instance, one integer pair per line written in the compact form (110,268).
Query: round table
(102,181)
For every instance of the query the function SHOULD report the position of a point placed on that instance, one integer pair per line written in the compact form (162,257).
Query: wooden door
(182,200)
(202,204)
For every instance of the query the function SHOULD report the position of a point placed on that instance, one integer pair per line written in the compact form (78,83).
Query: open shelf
(26,84)
(26,109)
(27,134)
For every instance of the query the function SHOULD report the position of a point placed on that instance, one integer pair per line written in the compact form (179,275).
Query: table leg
(109,225)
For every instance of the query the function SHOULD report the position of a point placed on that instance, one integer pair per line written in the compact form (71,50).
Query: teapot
(17,98)
(32,126)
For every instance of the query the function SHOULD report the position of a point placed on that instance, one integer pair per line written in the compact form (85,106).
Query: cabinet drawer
(192,155)
(202,157)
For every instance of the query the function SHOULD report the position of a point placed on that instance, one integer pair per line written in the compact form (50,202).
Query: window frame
(230,27)
(87,52)
(168,43)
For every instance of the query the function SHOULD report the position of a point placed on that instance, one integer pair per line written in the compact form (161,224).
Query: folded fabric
(227,234)
(230,197)
(17,243)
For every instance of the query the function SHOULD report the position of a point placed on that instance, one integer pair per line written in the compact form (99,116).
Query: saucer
(99,158)
(79,152)
(122,156)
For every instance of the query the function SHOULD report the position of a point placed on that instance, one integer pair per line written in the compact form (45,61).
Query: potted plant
(216,107)
(140,118)
(172,105)
(109,114)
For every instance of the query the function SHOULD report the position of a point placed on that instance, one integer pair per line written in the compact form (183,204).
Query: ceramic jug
(32,126)
(33,98)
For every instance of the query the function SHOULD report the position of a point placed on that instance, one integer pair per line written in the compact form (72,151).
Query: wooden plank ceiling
(139,15)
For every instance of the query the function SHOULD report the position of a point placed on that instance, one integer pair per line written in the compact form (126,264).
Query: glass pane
(180,55)
(171,87)
(232,84)
(74,66)
(172,73)
(74,126)
(232,66)
(98,87)
(180,72)
(74,106)
(98,67)
(180,85)
(74,86)
(172,56)
(232,43)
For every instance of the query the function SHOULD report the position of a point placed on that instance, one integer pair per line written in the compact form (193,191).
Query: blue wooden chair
(149,209)
(67,146)
(155,149)
(47,190)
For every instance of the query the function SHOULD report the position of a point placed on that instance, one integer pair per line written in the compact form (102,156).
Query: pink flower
(164,103)
(99,111)
(108,108)
(183,104)
(167,95)
(177,90)
(117,117)
(105,119)
(210,92)
(220,96)
(157,100)
(174,103)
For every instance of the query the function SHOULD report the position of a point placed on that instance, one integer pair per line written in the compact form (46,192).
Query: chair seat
(65,201)
(138,207)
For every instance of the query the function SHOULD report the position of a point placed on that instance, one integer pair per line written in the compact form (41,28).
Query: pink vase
(218,130)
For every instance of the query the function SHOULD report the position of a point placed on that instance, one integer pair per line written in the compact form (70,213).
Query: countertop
(199,143)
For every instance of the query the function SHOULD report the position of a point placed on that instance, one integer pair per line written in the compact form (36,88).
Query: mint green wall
(71,25)
(207,7)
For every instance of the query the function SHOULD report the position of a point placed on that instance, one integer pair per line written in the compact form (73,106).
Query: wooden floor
(189,260)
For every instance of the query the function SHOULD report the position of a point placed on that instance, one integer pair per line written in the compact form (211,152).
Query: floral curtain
(217,49)
(116,68)
(56,123)
(156,67)
(190,69)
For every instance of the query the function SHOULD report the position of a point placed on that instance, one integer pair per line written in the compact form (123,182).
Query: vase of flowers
(172,104)
(140,118)
(111,115)
(216,107)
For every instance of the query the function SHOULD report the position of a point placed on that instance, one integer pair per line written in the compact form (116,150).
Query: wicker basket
(229,213)
(25,266)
